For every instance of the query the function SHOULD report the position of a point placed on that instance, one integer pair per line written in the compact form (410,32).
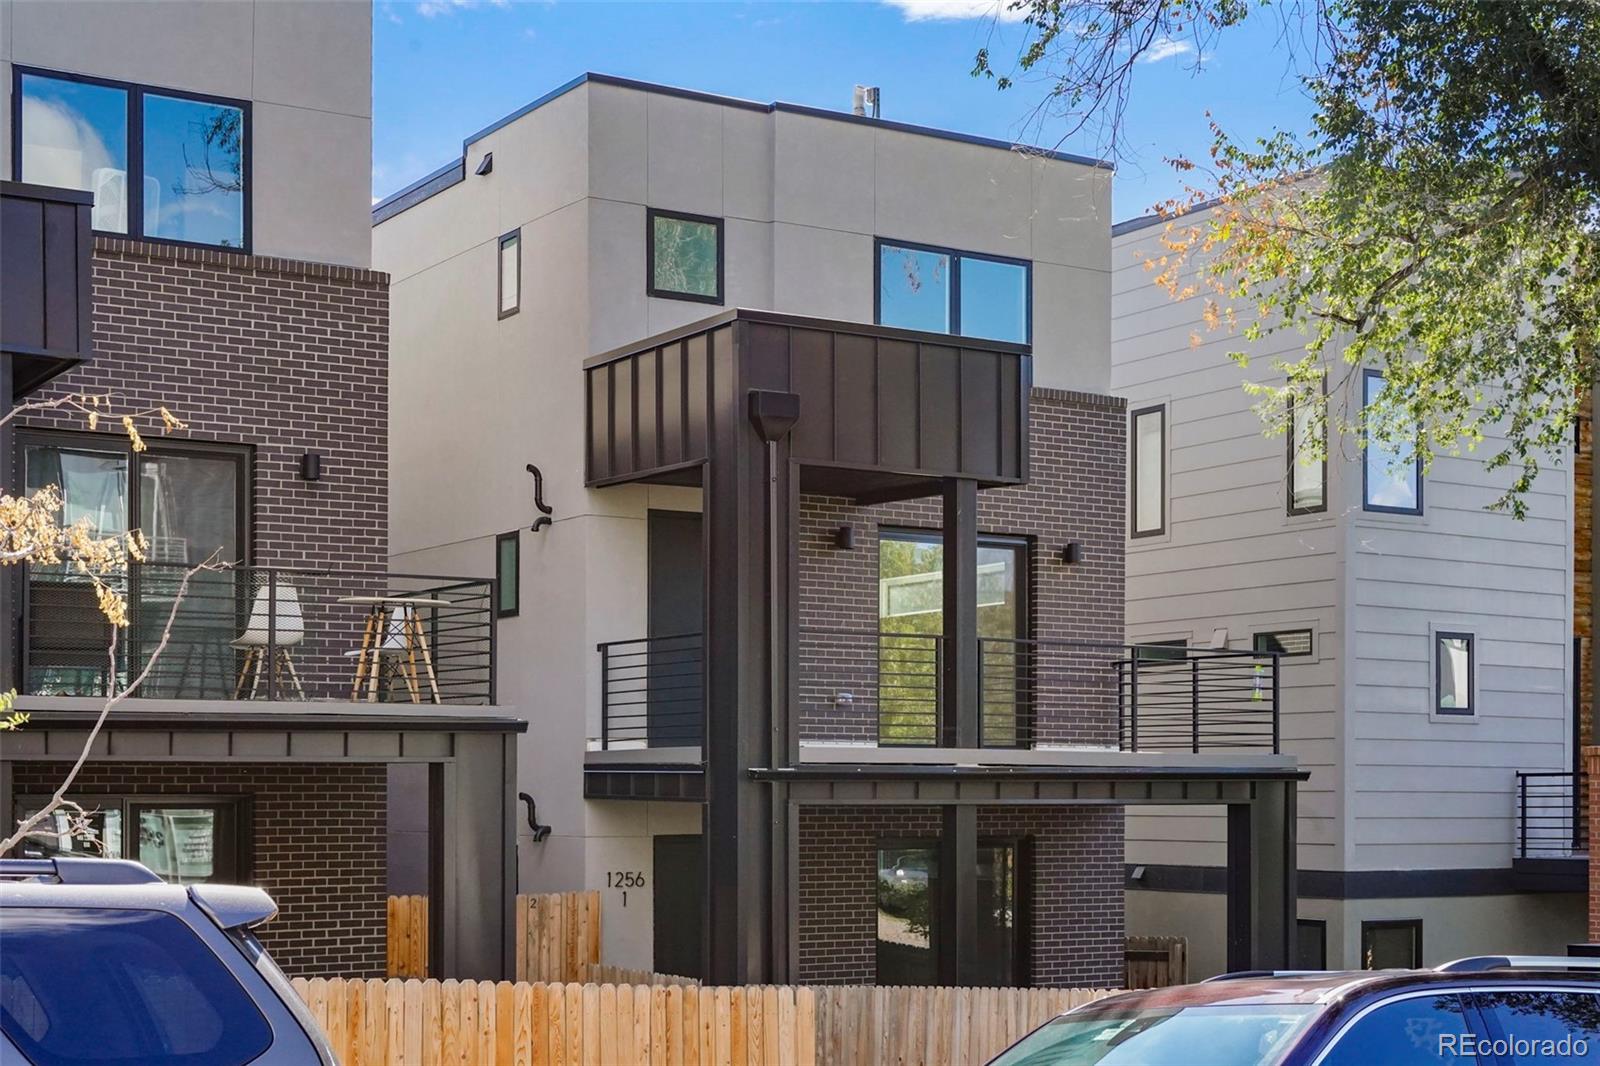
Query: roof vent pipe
(865,96)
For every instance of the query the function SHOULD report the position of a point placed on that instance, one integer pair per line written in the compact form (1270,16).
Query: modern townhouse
(187,226)
(1426,647)
(788,434)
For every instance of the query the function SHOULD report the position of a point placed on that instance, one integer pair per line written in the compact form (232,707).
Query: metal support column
(958,901)
(1262,893)
(962,700)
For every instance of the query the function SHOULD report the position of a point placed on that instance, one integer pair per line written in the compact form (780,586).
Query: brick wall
(1076,888)
(318,836)
(1075,492)
(284,356)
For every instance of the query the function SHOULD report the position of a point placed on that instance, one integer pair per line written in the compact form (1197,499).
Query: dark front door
(680,870)
(676,598)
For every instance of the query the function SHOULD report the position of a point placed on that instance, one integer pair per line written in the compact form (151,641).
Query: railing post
(1276,718)
(1522,815)
(1133,699)
(605,696)
(1194,703)
(494,636)
(272,634)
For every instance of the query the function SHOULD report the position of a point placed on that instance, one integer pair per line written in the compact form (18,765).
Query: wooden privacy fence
(621,975)
(1157,961)
(483,1023)
(558,936)
(408,936)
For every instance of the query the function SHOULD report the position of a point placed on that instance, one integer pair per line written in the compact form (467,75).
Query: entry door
(675,706)
(680,874)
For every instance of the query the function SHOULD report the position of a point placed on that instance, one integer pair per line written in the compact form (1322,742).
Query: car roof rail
(1244,975)
(1486,963)
(70,870)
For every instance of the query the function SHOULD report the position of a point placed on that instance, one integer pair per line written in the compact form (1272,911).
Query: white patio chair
(278,618)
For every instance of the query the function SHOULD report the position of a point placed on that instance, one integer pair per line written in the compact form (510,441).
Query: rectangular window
(1308,460)
(685,256)
(1391,945)
(508,573)
(1391,475)
(910,907)
(162,165)
(1453,670)
(185,839)
(941,290)
(1149,471)
(1284,642)
(511,273)
(911,630)
(1162,650)
(1311,944)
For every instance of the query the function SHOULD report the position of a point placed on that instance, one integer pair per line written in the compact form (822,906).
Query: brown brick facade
(1074,884)
(1075,492)
(316,843)
(284,356)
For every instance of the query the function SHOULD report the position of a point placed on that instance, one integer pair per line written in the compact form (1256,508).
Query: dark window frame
(650,216)
(136,92)
(500,609)
(235,860)
(1320,927)
(1311,642)
(1159,409)
(500,273)
(1393,923)
(1439,637)
(956,255)
(243,455)
(1022,850)
(1366,498)
(1294,463)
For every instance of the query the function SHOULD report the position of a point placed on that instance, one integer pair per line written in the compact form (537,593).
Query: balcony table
(375,637)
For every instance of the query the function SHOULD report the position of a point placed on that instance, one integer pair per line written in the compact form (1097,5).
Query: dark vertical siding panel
(61,277)
(980,413)
(22,294)
(811,377)
(697,411)
(855,399)
(723,403)
(648,443)
(939,409)
(672,420)
(1010,415)
(767,358)
(897,404)
(599,423)
(624,417)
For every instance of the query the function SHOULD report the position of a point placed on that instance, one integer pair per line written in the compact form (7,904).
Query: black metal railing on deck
(1197,699)
(652,692)
(264,633)
(1551,822)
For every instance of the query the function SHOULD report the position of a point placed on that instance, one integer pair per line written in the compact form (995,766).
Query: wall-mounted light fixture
(844,538)
(1072,554)
(485,165)
(311,466)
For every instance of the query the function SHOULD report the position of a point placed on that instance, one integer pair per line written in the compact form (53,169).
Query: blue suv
(103,962)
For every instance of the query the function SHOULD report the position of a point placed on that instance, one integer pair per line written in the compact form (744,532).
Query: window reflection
(1393,479)
(193,171)
(75,136)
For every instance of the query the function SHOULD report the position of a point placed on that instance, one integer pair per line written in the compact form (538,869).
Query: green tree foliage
(1439,220)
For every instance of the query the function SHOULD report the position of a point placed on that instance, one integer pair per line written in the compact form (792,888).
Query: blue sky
(444,68)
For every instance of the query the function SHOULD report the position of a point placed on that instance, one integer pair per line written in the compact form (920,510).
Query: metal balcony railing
(264,633)
(652,692)
(1197,699)
(1551,821)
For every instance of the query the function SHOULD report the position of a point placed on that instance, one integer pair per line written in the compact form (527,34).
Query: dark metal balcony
(1551,850)
(45,298)
(864,687)
(263,633)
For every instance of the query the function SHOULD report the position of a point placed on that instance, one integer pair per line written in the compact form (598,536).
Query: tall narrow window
(508,574)
(1391,474)
(1308,459)
(684,254)
(908,905)
(511,273)
(1453,669)
(1149,467)
(941,290)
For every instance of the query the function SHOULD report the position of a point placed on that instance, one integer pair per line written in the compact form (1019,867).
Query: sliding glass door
(910,915)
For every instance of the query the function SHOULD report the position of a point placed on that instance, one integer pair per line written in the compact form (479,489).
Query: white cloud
(1165,48)
(433,8)
(953,10)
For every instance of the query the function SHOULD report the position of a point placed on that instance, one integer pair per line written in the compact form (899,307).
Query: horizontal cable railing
(1550,814)
(263,633)
(652,692)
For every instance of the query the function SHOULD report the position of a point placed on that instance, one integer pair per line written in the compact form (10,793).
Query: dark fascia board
(28,190)
(1157,218)
(420,190)
(778,318)
(1339,884)
(243,720)
(941,772)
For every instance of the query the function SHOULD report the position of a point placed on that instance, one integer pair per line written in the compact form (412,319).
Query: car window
(1416,1031)
(129,987)
(1219,1035)
(1544,1027)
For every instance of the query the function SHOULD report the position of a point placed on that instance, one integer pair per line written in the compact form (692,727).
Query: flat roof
(455,171)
